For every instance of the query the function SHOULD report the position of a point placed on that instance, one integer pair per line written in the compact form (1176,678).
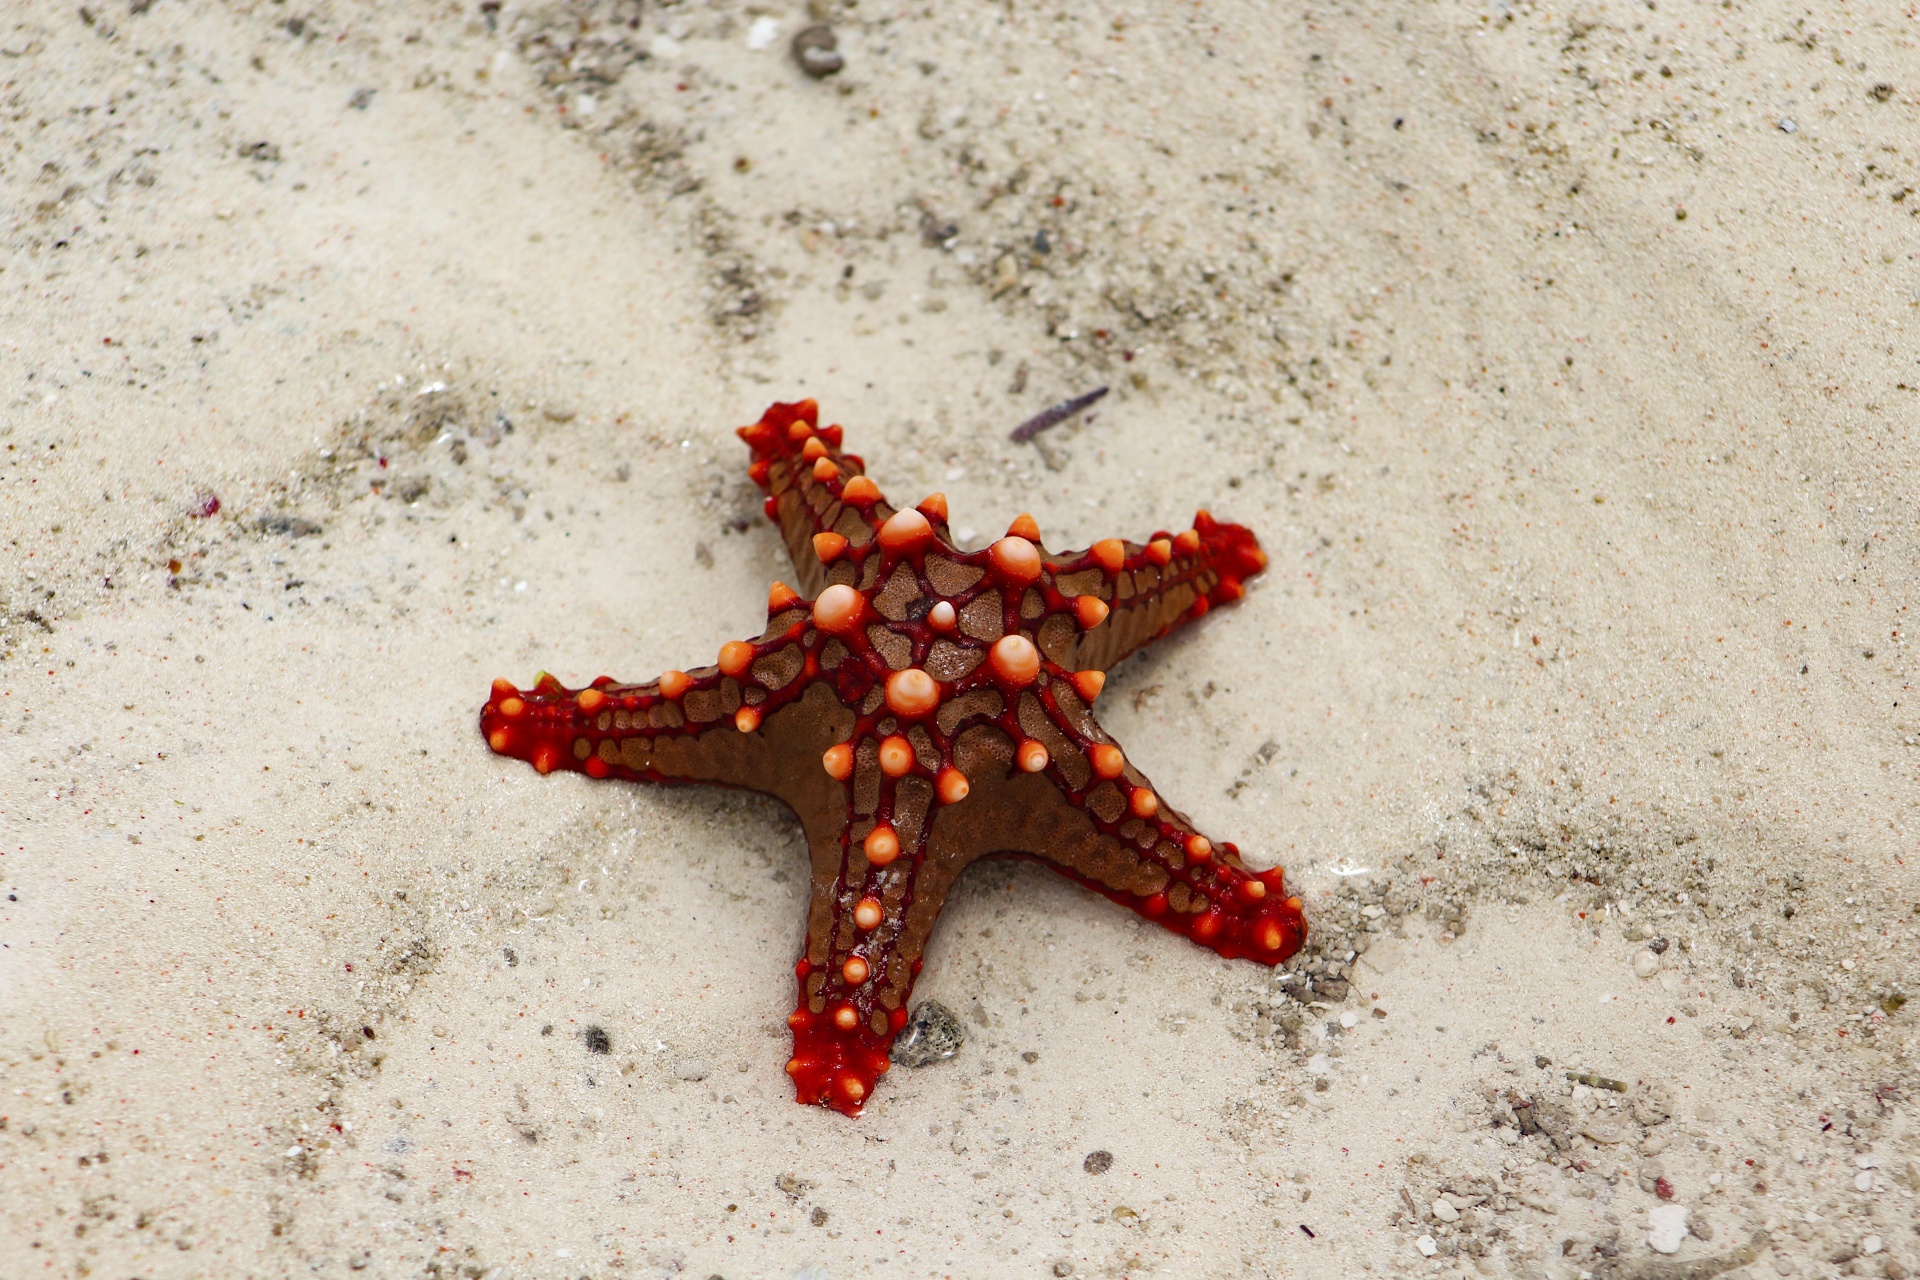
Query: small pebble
(1097,1162)
(1872,1245)
(1863,1181)
(1443,1210)
(762,32)
(1666,1228)
(1645,963)
(932,1035)
(1427,1246)
(816,48)
(1783,1264)
(1349,1019)
(691,1069)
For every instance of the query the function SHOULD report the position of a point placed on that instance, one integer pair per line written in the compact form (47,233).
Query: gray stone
(933,1034)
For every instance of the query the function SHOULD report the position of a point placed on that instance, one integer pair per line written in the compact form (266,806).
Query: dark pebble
(815,48)
(932,1035)
(1097,1162)
(597,1040)
(1657,945)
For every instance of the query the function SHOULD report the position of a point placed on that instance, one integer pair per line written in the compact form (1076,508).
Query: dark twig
(1055,416)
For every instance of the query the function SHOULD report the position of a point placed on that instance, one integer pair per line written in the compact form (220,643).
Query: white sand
(1593,550)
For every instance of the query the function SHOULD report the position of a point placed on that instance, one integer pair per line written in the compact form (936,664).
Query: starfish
(925,708)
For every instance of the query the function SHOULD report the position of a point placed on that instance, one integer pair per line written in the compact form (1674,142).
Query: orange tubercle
(838,761)
(1032,756)
(747,719)
(1187,543)
(1143,802)
(896,755)
(851,1087)
(912,693)
(881,846)
(812,449)
(499,741)
(1015,660)
(1088,684)
(735,657)
(758,471)
(934,506)
(828,546)
(674,683)
(511,707)
(867,913)
(1110,554)
(1268,935)
(800,428)
(1024,526)
(546,759)
(1091,611)
(860,491)
(1108,760)
(1199,848)
(855,970)
(1016,559)
(838,609)
(503,688)
(825,470)
(846,1017)
(905,531)
(781,596)
(1160,550)
(952,785)
(589,700)
(942,616)
(1252,890)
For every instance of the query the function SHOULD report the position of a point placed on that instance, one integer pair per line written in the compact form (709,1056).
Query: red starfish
(928,707)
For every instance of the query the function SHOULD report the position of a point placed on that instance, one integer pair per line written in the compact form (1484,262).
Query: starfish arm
(751,721)
(827,509)
(1148,590)
(1097,819)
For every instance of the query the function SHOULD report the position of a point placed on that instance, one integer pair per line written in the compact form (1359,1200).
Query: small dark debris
(511,956)
(816,49)
(1593,1081)
(1657,945)
(547,1030)
(288,526)
(937,232)
(205,506)
(818,1217)
(265,152)
(1542,1061)
(1054,416)
(1893,1003)
(933,1034)
(361,99)
(1308,1230)
(1031,1056)
(597,1040)
(791,1185)
(1097,1162)
(1880,92)
(411,489)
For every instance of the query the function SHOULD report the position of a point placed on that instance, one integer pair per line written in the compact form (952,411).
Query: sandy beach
(1562,357)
